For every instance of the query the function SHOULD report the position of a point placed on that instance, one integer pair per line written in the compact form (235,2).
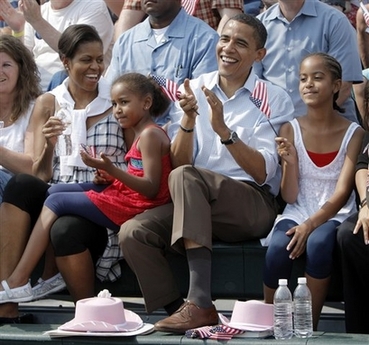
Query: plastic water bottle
(283,328)
(303,321)
(64,143)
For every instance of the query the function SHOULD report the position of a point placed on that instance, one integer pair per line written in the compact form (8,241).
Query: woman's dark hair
(260,33)
(336,72)
(75,35)
(28,85)
(142,85)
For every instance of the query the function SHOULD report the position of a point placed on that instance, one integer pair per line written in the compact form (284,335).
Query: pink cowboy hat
(250,316)
(102,314)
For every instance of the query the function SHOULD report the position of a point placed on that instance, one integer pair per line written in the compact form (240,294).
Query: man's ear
(260,53)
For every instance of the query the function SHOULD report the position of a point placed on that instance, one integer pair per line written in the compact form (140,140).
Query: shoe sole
(17,300)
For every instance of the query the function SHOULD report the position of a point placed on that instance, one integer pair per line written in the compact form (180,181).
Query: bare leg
(14,233)
(50,267)
(36,247)
(268,294)
(78,273)
(319,290)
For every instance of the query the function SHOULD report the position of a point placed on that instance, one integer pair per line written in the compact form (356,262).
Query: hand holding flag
(169,87)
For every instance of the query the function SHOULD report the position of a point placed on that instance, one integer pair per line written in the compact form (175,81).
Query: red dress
(120,203)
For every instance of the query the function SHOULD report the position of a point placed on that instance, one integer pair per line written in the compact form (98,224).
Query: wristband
(363,203)
(18,34)
(186,130)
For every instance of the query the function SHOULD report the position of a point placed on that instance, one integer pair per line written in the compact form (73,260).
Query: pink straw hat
(102,314)
(250,316)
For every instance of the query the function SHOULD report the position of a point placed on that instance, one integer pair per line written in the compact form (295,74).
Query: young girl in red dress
(116,195)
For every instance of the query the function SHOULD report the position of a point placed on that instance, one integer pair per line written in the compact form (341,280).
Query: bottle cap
(301,280)
(282,281)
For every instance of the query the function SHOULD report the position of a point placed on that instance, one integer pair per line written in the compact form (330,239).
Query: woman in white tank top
(19,87)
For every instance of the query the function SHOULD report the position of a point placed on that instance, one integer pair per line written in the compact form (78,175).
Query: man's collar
(307,9)
(177,27)
(248,85)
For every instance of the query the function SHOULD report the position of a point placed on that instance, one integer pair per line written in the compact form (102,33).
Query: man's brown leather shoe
(188,316)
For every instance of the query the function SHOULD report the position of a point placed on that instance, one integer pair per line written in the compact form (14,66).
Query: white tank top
(12,137)
(317,184)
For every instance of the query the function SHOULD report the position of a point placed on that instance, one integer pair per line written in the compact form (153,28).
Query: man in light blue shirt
(170,43)
(225,178)
(299,27)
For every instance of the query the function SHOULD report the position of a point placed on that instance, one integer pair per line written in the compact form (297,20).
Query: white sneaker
(49,286)
(16,295)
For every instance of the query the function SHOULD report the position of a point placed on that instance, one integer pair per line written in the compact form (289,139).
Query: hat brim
(243,326)
(133,323)
(58,333)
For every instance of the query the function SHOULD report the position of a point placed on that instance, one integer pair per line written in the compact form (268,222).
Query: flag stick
(273,128)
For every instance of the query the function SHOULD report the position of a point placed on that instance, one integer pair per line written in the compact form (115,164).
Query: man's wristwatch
(233,137)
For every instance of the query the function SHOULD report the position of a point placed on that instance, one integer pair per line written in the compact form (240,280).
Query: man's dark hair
(260,33)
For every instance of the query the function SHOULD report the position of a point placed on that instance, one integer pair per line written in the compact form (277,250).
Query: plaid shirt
(105,136)
(207,10)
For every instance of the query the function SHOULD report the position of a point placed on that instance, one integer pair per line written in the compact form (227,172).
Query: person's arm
(248,158)
(16,162)
(226,13)
(362,37)
(359,98)
(130,15)
(127,19)
(115,5)
(152,144)
(344,188)
(45,129)
(361,178)
(289,163)
(32,14)
(345,92)
(182,147)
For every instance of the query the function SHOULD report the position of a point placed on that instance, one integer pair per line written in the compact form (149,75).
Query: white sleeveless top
(317,184)
(12,137)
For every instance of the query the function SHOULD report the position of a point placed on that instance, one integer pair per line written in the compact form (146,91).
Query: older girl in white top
(318,153)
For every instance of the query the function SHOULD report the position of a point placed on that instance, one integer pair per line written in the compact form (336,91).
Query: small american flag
(220,332)
(260,98)
(190,6)
(169,87)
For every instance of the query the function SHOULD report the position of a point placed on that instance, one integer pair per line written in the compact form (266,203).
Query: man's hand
(188,101)
(216,114)
(31,11)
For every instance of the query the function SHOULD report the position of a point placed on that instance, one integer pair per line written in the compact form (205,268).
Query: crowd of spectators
(212,58)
